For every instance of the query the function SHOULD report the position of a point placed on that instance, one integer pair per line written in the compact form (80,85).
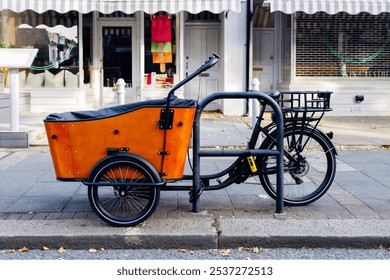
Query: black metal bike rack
(196,189)
(198,152)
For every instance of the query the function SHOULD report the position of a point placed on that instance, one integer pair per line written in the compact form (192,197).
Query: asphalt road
(214,254)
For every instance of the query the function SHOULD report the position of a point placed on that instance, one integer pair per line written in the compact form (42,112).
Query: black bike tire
(97,204)
(269,143)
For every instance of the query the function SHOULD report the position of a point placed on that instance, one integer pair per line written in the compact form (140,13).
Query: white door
(263,58)
(116,59)
(201,42)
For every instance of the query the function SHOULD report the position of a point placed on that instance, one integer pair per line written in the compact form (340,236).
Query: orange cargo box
(78,140)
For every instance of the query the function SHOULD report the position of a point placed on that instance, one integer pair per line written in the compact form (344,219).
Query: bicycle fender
(327,139)
(127,156)
(317,131)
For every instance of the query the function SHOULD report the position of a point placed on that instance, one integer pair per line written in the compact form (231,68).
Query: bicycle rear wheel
(309,166)
(123,205)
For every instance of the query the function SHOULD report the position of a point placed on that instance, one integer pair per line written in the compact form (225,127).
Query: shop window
(87,47)
(262,17)
(342,45)
(286,48)
(160,53)
(117,55)
(116,14)
(203,16)
(55,37)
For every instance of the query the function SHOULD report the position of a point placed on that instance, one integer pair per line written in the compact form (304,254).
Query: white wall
(376,94)
(234,68)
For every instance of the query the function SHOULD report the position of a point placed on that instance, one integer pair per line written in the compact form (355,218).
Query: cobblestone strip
(47,216)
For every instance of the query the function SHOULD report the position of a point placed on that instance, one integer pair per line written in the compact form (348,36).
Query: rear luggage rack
(305,101)
(304,106)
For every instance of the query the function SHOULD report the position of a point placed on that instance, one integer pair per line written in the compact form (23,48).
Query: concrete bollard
(255,84)
(120,91)
(255,87)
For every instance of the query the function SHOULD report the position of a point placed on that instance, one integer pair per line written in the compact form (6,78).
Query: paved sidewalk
(365,132)
(36,210)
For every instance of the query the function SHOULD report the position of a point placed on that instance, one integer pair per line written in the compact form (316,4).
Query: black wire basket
(305,101)
(304,106)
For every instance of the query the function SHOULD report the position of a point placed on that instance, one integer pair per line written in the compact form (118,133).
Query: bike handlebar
(207,65)
(210,63)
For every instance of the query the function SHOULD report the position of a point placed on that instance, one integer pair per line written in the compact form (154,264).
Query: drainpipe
(249,16)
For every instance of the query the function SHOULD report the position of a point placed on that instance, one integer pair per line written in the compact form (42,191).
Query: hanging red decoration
(161,29)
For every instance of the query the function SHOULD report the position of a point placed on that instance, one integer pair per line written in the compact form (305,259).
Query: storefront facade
(86,46)
(340,46)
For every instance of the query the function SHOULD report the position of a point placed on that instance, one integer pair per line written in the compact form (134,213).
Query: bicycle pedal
(252,164)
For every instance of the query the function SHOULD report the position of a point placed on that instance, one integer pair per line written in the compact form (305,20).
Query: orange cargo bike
(128,154)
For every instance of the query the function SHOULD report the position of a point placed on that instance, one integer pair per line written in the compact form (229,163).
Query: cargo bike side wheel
(124,190)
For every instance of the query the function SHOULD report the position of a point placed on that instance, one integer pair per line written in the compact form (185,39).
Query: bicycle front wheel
(120,203)
(309,166)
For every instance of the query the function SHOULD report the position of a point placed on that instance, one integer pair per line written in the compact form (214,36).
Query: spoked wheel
(309,166)
(122,202)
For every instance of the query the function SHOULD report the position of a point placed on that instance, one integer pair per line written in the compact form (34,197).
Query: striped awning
(126,6)
(330,6)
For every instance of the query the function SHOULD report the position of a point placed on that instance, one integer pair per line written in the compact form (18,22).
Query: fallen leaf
(24,250)
(92,250)
(62,250)
(380,246)
(225,253)
(12,251)
(240,249)
(255,250)
(44,248)
(4,251)
(183,250)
